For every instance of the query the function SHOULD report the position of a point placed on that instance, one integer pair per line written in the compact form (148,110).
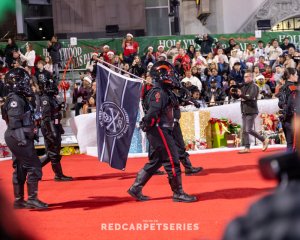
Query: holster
(19,135)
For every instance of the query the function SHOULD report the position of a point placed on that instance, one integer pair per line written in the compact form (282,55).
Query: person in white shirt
(192,79)
(260,51)
(220,54)
(29,56)
(274,51)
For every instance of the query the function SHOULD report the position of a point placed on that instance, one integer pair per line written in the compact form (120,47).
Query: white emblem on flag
(114,119)
(45,102)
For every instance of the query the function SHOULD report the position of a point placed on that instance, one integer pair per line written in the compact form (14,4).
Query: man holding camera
(249,94)
(205,43)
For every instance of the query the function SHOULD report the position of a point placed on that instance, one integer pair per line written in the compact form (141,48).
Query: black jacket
(8,52)
(287,100)
(249,97)
(54,52)
(205,44)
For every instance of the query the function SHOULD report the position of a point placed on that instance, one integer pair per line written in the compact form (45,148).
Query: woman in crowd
(28,58)
(130,48)
(48,66)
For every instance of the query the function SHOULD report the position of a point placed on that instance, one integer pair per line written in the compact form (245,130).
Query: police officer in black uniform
(19,137)
(158,123)
(183,98)
(287,104)
(51,126)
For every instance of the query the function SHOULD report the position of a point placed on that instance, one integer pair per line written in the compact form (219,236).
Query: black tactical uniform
(158,124)
(51,127)
(179,141)
(287,104)
(19,137)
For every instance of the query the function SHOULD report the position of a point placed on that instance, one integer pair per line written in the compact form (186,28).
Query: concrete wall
(227,16)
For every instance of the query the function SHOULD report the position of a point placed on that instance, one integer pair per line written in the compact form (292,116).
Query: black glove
(197,104)
(144,125)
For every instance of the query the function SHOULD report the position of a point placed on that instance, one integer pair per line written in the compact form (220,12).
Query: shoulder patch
(14,104)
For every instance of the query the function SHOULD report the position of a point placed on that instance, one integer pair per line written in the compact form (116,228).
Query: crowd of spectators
(207,69)
(210,72)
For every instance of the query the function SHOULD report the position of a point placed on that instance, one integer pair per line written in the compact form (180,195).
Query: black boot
(178,194)
(159,172)
(189,169)
(59,176)
(136,189)
(19,202)
(33,201)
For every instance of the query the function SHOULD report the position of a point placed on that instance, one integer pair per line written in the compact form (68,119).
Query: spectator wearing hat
(205,41)
(215,95)
(162,57)
(192,79)
(174,51)
(160,50)
(148,57)
(130,48)
(105,50)
(110,57)
(264,89)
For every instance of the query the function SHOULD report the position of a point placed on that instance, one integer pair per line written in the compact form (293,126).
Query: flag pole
(111,65)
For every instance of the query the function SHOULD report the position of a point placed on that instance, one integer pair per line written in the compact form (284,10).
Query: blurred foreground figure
(277,216)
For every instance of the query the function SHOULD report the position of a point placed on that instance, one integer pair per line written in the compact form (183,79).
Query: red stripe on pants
(168,150)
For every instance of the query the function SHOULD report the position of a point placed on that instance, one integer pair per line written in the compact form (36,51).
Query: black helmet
(18,80)
(165,74)
(49,87)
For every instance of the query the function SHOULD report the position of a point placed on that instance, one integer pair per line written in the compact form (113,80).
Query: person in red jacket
(130,48)
(184,59)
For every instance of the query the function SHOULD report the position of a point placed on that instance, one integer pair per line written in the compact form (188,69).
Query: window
(157,17)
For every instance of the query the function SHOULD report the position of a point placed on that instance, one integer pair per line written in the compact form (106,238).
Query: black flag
(117,108)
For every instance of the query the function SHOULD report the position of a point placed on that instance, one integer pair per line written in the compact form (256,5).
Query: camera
(279,166)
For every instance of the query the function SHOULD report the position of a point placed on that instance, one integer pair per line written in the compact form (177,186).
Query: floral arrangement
(194,145)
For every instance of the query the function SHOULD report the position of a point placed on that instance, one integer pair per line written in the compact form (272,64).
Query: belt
(165,125)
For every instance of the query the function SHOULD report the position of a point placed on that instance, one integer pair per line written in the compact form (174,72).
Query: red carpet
(229,184)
